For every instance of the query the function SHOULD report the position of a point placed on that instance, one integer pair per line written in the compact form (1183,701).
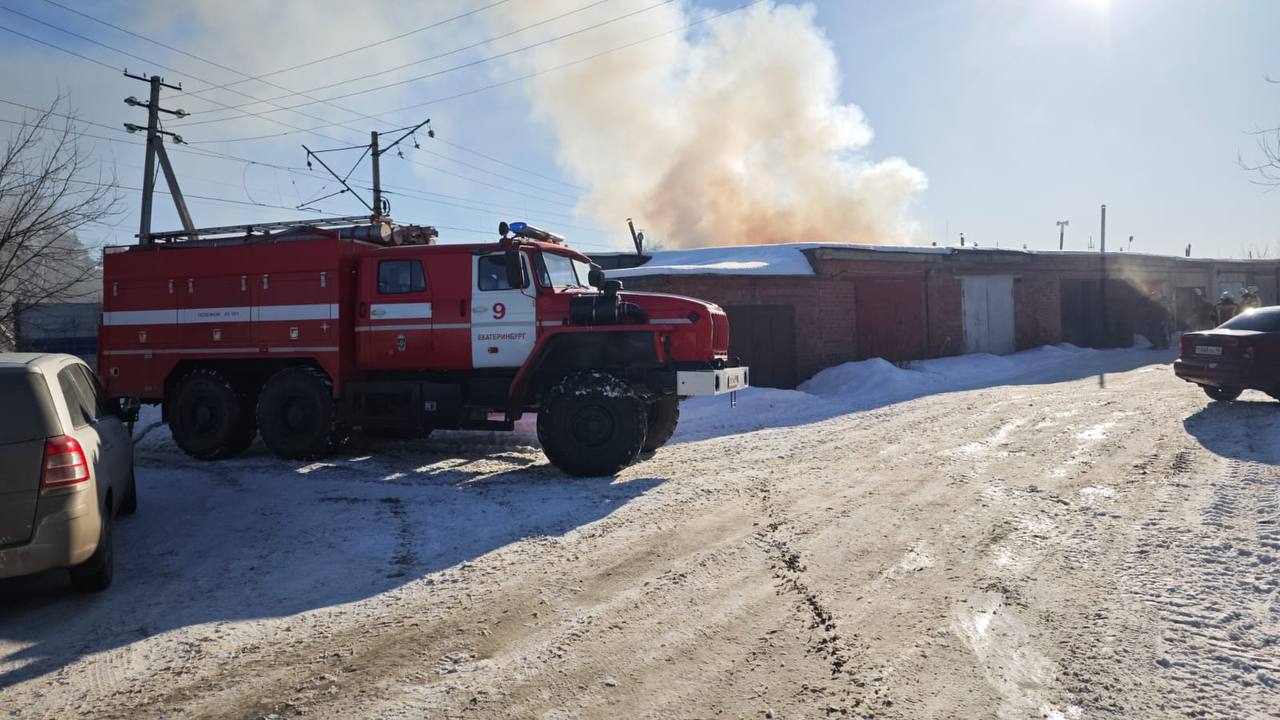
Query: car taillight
(64,463)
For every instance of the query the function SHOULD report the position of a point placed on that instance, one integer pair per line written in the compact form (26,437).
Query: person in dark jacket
(1226,308)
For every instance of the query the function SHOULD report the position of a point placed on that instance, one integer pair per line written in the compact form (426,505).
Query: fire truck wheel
(296,414)
(207,418)
(592,424)
(664,415)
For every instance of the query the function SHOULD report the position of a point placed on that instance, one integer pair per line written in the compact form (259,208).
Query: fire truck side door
(504,320)
(393,315)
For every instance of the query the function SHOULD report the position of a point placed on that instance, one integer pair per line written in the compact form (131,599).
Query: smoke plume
(731,132)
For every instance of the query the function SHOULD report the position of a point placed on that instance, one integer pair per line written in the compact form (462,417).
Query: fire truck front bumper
(716,381)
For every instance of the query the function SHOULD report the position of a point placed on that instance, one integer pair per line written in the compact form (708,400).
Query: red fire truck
(305,333)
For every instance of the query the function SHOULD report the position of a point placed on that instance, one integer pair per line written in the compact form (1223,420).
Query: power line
(55,47)
(438,56)
(348,52)
(505,164)
(272,120)
(309,63)
(528,76)
(437,73)
(161,192)
(304,173)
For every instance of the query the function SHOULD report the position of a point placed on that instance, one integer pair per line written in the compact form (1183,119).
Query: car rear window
(28,410)
(1261,320)
(80,403)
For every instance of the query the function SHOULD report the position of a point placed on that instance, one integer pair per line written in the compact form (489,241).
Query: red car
(1241,354)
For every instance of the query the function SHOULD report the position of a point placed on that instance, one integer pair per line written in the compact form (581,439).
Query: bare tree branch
(43,203)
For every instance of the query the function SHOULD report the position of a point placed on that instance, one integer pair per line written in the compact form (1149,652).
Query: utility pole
(1102,286)
(375,155)
(380,209)
(155,149)
(1062,224)
(636,237)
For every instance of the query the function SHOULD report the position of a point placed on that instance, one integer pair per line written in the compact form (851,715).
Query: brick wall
(826,312)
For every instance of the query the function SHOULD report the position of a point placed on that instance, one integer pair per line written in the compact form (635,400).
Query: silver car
(66,468)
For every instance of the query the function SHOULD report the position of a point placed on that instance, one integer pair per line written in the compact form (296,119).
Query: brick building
(796,309)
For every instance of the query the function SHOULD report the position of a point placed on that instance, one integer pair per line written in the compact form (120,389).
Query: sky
(994,118)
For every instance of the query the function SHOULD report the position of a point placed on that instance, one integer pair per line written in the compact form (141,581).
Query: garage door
(764,338)
(988,314)
(890,322)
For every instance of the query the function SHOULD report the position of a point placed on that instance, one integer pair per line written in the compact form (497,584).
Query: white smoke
(730,133)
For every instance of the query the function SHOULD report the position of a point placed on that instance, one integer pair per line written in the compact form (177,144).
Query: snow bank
(868,384)
(876,380)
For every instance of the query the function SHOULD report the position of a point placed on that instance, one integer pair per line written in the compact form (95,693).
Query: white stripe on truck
(400,311)
(196,316)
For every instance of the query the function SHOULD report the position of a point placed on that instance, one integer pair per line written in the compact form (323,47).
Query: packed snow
(867,384)
(1045,530)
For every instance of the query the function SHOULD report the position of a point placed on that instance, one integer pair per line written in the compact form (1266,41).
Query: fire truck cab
(305,334)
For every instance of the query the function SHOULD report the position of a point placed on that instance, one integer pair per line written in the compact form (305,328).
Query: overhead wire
(437,73)
(527,76)
(261,76)
(472,91)
(274,120)
(430,58)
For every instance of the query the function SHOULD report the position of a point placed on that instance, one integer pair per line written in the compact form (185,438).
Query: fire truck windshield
(557,271)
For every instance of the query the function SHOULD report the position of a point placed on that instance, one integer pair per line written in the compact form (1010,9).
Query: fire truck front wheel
(592,424)
(664,415)
(296,414)
(208,417)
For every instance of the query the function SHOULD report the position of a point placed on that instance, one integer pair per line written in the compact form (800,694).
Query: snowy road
(1093,540)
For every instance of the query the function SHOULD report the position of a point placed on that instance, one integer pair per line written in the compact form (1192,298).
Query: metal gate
(988,314)
(890,318)
(764,337)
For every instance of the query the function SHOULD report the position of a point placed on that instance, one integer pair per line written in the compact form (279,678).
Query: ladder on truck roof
(250,228)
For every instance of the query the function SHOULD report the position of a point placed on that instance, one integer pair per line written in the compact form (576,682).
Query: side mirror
(515,269)
(595,277)
(127,409)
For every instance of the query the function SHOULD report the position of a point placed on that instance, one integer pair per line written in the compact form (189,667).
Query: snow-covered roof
(783,259)
(773,259)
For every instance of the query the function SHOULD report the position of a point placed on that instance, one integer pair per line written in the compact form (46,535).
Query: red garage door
(764,338)
(890,317)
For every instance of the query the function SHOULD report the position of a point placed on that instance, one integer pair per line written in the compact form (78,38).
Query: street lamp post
(1062,224)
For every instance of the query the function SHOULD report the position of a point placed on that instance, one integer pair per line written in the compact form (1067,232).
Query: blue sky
(1019,114)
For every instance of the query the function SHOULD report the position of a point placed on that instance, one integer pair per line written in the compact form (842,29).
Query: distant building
(795,309)
(59,327)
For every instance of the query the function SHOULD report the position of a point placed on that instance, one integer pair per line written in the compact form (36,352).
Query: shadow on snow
(1247,429)
(258,537)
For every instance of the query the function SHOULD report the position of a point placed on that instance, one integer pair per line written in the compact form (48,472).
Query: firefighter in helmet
(1226,307)
(1250,300)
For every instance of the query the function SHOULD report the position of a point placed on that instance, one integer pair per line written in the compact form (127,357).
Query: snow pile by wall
(877,380)
(868,384)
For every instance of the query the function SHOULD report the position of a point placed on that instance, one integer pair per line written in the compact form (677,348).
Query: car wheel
(297,416)
(592,424)
(95,573)
(664,415)
(207,416)
(129,498)
(1222,393)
